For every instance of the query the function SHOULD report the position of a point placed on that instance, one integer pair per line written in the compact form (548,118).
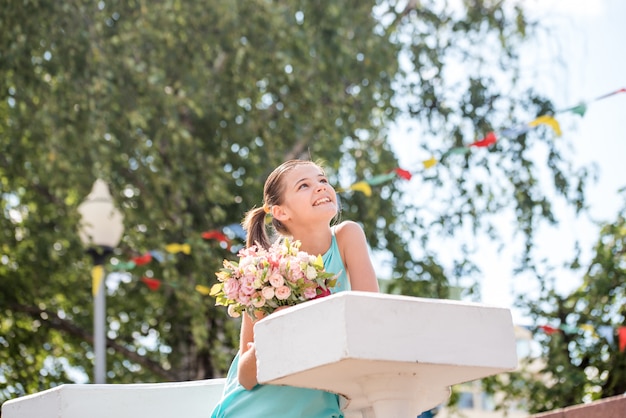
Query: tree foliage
(581,361)
(183,107)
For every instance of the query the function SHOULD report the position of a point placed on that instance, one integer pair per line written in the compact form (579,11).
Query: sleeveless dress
(272,401)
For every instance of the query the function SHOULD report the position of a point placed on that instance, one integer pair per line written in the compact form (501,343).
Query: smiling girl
(302,204)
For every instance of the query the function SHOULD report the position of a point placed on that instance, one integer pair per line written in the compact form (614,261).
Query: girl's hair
(273,190)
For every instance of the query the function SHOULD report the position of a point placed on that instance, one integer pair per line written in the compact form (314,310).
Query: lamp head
(101,222)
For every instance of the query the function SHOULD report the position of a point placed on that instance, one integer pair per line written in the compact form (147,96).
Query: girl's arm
(355,255)
(246,371)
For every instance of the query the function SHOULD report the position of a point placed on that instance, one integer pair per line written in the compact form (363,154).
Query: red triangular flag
(548,329)
(144,259)
(153,284)
(217,235)
(490,139)
(403,173)
(621,334)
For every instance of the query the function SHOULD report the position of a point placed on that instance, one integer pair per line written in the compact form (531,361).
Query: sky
(594,64)
(590,63)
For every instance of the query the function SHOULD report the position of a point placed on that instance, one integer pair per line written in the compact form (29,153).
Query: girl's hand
(258,315)
(280,308)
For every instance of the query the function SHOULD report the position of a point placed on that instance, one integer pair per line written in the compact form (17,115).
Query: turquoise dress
(272,401)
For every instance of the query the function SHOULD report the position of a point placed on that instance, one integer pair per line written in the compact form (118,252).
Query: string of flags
(365,186)
(226,234)
(605,331)
(220,235)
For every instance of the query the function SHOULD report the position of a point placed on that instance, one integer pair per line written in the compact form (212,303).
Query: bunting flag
(605,331)
(365,187)
(547,120)
(403,174)
(216,235)
(178,248)
(153,284)
(184,248)
(362,186)
(142,260)
(590,329)
(429,163)
(621,335)
(548,329)
(380,179)
(157,255)
(204,290)
(579,109)
(237,230)
(515,132)
(488,140)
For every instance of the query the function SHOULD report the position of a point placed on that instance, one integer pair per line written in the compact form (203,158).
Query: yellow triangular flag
(203,289)
(590,328)
(362,186)
(547,120)
(178,248)
(96,278)
(431,162)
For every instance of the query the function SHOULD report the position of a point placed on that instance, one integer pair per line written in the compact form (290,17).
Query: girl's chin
(327,207)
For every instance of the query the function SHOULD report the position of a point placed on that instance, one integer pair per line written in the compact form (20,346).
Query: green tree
(183,107)
(580,359)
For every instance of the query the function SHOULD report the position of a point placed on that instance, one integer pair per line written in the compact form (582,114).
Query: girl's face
(307,195)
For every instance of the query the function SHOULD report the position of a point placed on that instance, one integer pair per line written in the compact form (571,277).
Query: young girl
(302,204)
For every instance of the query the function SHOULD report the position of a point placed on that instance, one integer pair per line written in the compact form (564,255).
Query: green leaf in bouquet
(216,289)
(319,263)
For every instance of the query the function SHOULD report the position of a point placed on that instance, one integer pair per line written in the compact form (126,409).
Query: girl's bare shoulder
(348,230)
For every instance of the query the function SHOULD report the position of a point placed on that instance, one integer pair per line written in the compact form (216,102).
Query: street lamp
(100,230)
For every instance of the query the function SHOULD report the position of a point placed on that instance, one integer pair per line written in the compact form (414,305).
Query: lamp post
(100,230)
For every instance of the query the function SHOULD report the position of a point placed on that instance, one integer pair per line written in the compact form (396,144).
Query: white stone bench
(389,356)
(154,400)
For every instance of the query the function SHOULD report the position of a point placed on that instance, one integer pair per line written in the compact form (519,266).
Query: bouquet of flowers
(264,280)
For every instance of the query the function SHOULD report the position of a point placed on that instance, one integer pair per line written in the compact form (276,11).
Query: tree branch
(58,323)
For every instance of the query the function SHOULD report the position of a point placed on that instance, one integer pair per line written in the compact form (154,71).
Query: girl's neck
(314,240)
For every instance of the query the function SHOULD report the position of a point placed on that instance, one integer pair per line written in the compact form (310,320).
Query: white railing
(387,355)
(180,399)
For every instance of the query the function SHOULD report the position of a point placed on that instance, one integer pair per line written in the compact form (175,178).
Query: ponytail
(254,224)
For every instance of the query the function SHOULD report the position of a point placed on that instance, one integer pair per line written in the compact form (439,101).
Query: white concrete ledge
(154,400)
(397,355)
(389,356)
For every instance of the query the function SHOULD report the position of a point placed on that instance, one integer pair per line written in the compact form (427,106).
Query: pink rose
(268,292)
(276,280)
(258,301)
(295,273)
(232,312)
(231,288)
(282,292)
(243,299)
(247,285)
(310,292)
